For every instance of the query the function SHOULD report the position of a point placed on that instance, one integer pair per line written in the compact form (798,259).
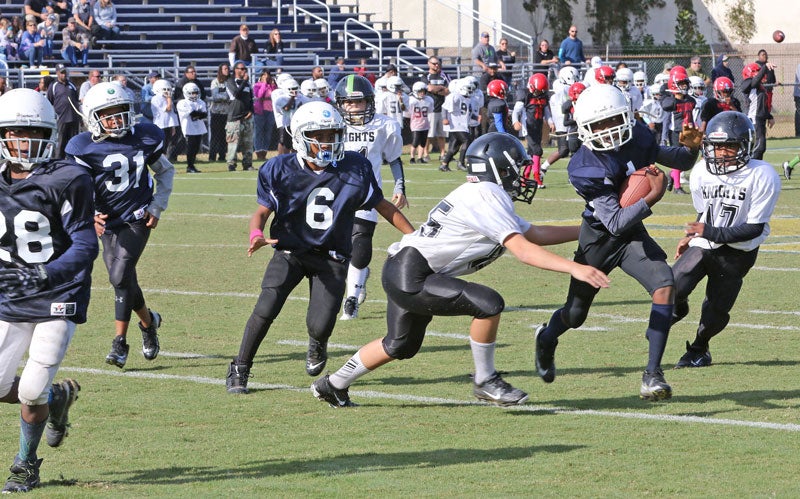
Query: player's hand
(695,229)
(591,276)
(257,242)
(400,201)
(517,126)
(683,245)
(691,137)
(658,185)
(152,221)
(100,224)
(770,123)
(21,281)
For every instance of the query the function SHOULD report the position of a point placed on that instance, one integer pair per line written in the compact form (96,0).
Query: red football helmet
(604,74)
(678,80)
(751,70)
(723,88)
(497,88)
(575,90)
(538,84)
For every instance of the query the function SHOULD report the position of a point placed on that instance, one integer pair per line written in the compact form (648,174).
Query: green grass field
(167,428)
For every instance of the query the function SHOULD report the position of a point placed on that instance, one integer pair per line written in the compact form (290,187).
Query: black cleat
(316,357)
(150,346)
(496,390)
(65,393)
(323,390)
(236,381)
(545,358)
(694,358)
(119,352)
(654,387)
(444,168)
(24,476)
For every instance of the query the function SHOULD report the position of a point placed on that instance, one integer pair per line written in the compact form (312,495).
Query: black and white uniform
(725,202)
(464,233)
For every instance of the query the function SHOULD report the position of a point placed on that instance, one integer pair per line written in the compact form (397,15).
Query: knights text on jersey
(316,210)
(378,141)
(465,231)
(746,196)
(40,216)
(123,186)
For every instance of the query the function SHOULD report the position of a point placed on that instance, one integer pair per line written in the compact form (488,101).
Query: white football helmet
(290,85)
(603,103)
(655,90)
(101,97)
(418,88)
(309,89)
(191,91)
(394,84)
(568,75)
(697,85)
(27,108)
(639,79)
(281,78)
(624,78)
(313,116)
(661,79)
(465,87)
(322,87)
(163,87)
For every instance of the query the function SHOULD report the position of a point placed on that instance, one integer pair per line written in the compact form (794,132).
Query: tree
(687,33)
(740,16)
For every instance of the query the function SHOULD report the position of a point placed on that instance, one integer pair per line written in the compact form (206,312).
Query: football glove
(21,281)
(691,137)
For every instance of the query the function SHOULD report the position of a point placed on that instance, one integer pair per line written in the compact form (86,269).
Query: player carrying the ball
(614,146)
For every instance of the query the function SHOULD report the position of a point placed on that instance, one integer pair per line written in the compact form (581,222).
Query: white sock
(483,356)
(356,278)
(348,373)
(545,165)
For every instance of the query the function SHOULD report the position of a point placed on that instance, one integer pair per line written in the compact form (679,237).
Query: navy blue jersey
(316,210)
(123,186)
(48,218)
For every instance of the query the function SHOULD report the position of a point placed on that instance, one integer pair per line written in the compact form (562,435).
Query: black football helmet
(728,128)
(499,158)
(355,87)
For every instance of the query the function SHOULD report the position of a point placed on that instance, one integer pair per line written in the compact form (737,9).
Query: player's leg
(452,147)
(246,143)
(326,289)
(687,271)
(358,270)
(232,140)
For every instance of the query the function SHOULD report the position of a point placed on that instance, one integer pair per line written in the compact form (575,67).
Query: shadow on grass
(334,465)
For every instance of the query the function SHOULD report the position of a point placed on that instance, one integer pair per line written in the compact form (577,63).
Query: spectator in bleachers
(220,105)
(147,95)
(544,57)
(31,45)
(275,47)
(82,13)
(61,8)
(63,95)
(92,80)
(44,84)
(317,72)
(47,30)
(571,49)
(264,117)
(722,69)
(74,44)
(508,58)
(337,72)
(242,46)
(122,80)
(13,33)
(483,54)
(363,70)
(105,21)
(36,10)
(239,129)
(189,74)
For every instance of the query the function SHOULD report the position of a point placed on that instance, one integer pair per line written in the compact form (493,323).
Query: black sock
(657,333)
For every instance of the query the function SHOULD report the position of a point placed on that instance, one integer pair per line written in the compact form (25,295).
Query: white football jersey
(558,98)
(458,109)
(465,231)
(747,195)
(390,104)
(280,98)
(379,140)
(476,103)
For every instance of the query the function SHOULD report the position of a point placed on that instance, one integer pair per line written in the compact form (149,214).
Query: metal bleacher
(167,35)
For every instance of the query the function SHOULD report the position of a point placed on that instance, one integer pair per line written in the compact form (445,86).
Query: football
(635,187)
(778,36)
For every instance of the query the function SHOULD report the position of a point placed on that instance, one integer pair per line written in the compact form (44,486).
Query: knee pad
(574,317)
(403,349)
(363,231)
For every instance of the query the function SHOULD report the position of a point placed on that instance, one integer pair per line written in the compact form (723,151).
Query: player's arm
(617,219)
(546,235)
(393,215)
(163,174)
(518,115)
(677,157)
(399,192)
(257,223)
(536,256)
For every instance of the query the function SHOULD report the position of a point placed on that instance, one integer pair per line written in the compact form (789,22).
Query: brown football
(778,36)
(635,187)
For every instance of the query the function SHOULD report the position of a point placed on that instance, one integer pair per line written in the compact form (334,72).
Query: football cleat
(461,166)
(694,358)
(316,357)
(787,170)
(350,309)
(323,390)
(65,393)
(119,352)
(24,476)
(654,387)
(497,391)
(362,293)
(236,381)
(150,346)
(444,168)
(545,358)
